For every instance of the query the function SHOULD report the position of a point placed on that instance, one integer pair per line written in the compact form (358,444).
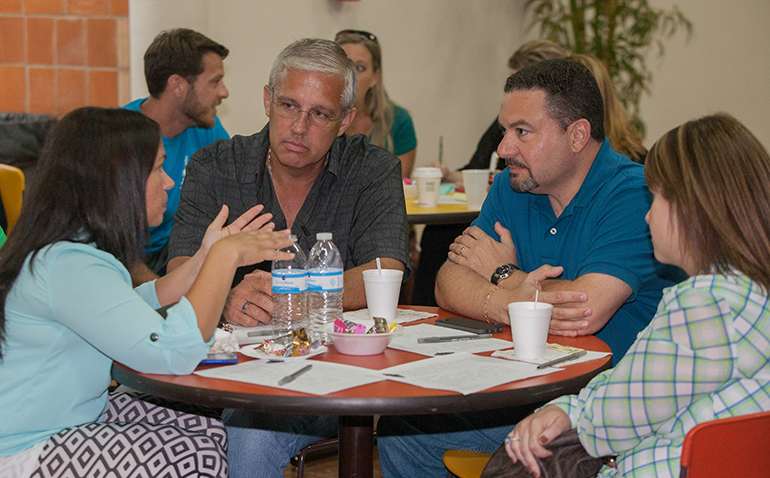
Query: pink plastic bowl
(361,344)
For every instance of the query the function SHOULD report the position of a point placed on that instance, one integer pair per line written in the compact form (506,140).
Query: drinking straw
(537,292)
(379,266)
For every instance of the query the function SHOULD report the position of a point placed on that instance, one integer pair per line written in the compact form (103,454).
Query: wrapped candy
(294,344)
(380,326)
(342,326)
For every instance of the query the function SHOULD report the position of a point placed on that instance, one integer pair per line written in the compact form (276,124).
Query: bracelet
(486,303)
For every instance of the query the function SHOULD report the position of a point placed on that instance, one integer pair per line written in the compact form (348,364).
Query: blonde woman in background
(385,123)
(624,137)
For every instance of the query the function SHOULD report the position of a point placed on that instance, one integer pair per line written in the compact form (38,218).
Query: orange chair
(11,190)
(728,448)
(465,464)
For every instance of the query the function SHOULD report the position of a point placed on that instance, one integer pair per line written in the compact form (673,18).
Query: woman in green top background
(385,123)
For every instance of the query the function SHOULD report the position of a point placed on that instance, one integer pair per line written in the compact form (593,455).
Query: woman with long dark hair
(68,309)
(704,355)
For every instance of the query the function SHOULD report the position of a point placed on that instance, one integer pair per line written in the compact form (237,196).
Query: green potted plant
(618,32)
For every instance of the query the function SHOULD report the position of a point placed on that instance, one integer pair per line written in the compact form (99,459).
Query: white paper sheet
(552,352)
(361,316)
(408,341)
(322,379)
(462,372)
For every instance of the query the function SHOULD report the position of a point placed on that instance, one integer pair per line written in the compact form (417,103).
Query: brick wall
(58,55)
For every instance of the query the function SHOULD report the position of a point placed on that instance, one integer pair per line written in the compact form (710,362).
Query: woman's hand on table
(527,440)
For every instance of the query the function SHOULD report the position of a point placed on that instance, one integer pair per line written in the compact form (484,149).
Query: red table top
(383,398)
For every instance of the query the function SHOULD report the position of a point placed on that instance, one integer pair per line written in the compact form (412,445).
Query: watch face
(504,269)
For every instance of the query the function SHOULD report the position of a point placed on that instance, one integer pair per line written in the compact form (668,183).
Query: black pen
(562,359)
(452,338)
(294,375)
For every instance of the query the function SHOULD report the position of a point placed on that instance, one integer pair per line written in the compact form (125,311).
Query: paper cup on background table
(382,290)
(529,328)
(428,184)
(476,183)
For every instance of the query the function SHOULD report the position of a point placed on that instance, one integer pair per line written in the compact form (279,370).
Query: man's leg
(414,446)
(261,445)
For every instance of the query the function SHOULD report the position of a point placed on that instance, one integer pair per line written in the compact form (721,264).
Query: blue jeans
(261,445)
(414,446)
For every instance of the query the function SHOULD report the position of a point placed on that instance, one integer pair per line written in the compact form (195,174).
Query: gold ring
(462,248)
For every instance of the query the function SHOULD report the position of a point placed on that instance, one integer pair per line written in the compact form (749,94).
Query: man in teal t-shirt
(184,74)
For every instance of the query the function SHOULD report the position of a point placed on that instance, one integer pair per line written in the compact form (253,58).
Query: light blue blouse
(66,321)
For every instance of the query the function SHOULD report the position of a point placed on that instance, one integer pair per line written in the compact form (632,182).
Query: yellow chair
(465,464)
(11,190)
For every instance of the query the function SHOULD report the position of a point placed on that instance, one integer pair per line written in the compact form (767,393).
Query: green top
(402,131)
(2,236)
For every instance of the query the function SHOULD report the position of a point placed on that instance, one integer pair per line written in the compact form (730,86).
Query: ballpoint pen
(260,333)
(562,359)
(452,338)
(294,375)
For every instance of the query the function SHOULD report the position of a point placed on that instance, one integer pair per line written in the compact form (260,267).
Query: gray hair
(320,56)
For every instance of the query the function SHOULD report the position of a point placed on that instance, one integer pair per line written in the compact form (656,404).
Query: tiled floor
(326,468)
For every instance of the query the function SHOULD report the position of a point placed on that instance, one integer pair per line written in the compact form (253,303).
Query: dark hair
(571,92)
(177,52)
(714,173)
(89,188)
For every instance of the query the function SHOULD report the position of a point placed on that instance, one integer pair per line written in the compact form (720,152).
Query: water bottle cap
(293,238)
(323,236)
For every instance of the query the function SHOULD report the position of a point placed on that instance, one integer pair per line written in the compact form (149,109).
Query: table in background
(441,214)
(357,406)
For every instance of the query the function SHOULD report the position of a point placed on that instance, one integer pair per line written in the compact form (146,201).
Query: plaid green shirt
(704,356)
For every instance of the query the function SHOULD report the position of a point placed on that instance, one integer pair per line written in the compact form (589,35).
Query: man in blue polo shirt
(184,74)
(566,217)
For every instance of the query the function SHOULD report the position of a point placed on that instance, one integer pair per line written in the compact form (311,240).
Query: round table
(356,407)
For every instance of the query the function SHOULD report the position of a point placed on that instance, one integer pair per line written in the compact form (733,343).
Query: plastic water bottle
(324,266)
(290,292)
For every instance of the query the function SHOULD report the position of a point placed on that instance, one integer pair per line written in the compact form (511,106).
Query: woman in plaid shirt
(704,355)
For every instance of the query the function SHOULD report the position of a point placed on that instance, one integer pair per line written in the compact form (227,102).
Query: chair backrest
(465,464)
(728,447)
(11,190)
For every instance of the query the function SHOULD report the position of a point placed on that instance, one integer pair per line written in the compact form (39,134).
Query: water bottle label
(289,282)
(329,280)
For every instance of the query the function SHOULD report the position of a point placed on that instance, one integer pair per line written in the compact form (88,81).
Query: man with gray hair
(305,172)
(312,178)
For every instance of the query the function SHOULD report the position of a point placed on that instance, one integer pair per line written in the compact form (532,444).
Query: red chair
(727,448)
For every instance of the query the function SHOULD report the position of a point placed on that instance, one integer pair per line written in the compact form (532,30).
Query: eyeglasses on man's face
(316,116)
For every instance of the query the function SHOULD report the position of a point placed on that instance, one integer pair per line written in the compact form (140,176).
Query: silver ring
(243,309)
(509,439)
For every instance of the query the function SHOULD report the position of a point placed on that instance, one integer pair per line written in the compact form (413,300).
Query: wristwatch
(503,272)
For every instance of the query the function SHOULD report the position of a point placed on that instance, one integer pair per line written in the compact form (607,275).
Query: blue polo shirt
(178,152)
(602,230)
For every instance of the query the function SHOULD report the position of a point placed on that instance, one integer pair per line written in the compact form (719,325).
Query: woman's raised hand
(251,220)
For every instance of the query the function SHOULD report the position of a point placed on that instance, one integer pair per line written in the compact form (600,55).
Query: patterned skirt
(138,439)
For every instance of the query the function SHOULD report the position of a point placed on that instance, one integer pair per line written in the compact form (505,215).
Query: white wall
(725,67)
(446,60)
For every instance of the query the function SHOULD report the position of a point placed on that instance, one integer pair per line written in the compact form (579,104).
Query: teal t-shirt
(2,236)
(402,131)
(178,152)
